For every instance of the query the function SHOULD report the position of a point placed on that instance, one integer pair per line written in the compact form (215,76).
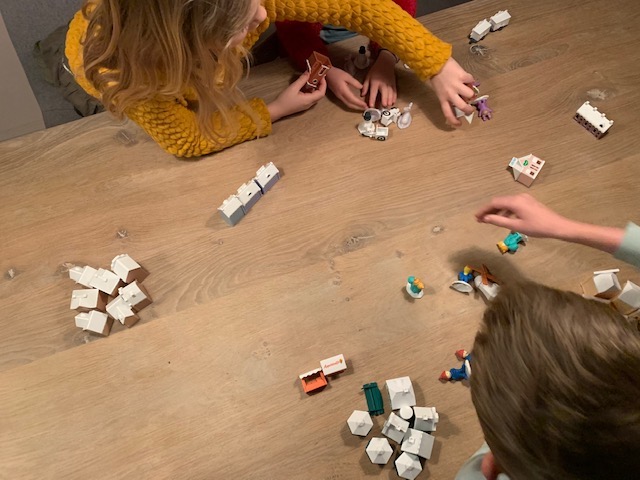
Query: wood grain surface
(206,385)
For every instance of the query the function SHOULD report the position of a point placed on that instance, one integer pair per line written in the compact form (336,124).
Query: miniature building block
(489,291)
(500,20)
(106,281)
(318,65)
(426,419)
(232,210)
(89,299)
(526,169)
(128,269)
(628,300)
(122,311)
(313,380)
(418,443)
(401,392)
(135,296)
(395,428)
(249,193)
(82,275)
(406,413)
(379,451)
(408,466)
(374,398)
(590,118)
(333,365)
(94,321)
(604,284)
(360,423)
(266,177)
(389,116)
(480,31)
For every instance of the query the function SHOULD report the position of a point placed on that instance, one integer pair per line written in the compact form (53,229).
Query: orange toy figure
(318,66)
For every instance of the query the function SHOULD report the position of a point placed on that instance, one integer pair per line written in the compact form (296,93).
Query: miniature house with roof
(401,392)
(526,169)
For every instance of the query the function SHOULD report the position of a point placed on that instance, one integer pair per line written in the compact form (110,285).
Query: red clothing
(300,39)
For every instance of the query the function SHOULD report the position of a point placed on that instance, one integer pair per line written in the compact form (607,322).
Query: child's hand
(523,213)
(293,100)
(381,79)
(340,83)
(450,88)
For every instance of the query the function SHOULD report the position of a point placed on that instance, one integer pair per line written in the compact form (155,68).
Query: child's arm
(524,214)
(299,40)
(387,24)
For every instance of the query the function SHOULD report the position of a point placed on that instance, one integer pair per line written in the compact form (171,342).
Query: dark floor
(28,21)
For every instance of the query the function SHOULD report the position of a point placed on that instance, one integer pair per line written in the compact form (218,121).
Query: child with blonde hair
(173,66)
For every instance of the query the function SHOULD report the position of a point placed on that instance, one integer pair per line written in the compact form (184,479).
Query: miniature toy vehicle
(512,242)
(368,129)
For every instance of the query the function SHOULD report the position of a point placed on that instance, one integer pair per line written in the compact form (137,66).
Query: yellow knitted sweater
(174,126)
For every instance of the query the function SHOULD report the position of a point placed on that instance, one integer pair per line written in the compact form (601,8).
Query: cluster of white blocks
(386,117)
(121,282)
(234,208)
(605,287)
(410,428)
(498,21)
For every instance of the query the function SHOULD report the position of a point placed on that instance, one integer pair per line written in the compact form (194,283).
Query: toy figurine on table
(415,287)
(512,242)
(462,373)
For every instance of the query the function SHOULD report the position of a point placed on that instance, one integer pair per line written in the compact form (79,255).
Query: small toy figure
(368,129)
(462,373)
(466,275)
(374,398)
(484,112)
(512,242)
(415,287)
(361,62)
(318,65)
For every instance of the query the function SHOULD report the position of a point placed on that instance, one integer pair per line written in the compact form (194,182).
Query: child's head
(556,385)
(138,50)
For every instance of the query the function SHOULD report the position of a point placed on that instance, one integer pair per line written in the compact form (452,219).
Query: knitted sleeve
(299,40)
(409,6)
(382,21)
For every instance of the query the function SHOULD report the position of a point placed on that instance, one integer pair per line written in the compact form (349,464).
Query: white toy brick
(249,193)
(231,210)
(121,311)
(594,121)
(88,299)
(360,423)
(266,177)
(401,392)
(389,116)
(526,169)
(82,275)
(94,321)
(408,466)
(418,443)
(128,269)
(406,412)
(606,284)
(426,419)
(489,291)
(480,30)
(106,281)
(628,300)
(379,451)
(135,296)
(500,20)
(333,365)
(395,428)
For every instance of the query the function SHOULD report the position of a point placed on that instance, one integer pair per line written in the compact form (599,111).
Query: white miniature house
(94,321)
(88,299)
(408,466)
(426,419)
(591,119)
(128,269)
(418,443)
(526,169)
(500,20)
(480,30)
(379,451)
(401,392)
(395,428)
(360,423)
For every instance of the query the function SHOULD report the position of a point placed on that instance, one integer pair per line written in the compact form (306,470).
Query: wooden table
(206,385)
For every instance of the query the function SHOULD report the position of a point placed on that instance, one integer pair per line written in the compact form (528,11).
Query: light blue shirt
(629,250)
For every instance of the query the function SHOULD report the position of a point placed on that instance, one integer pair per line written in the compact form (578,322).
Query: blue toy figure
(512,242)
(466,275)
(462,373)
(415,287)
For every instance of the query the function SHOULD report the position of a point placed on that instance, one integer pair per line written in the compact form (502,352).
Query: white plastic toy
(426,419)
(333,365)
(395,428)
(594,121)
(379,451)
(480,31)
(408,466)
(500,20)
(121,311)
(360,423)
(128,269)
(106,281)
(418,443)
(94,321)
(401,392)
(526,169)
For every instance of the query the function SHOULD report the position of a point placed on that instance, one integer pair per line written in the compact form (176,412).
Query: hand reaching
(293,100)
(449,86)
(341,84)
(381,79)
(524,214)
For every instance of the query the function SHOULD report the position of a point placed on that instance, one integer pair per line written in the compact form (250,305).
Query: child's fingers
(301,81)
(500,221)
(365,87)
(448,114)
(354,82)
(373,94)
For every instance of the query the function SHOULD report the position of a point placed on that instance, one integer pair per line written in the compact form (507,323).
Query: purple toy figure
(484,112)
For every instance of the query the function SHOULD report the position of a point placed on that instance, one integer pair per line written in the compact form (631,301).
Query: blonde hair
(139,50)
(556,386)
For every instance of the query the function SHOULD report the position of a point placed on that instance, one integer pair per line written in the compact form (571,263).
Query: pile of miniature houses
(122,283)
(234,208)
(605,287)
(410,427)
